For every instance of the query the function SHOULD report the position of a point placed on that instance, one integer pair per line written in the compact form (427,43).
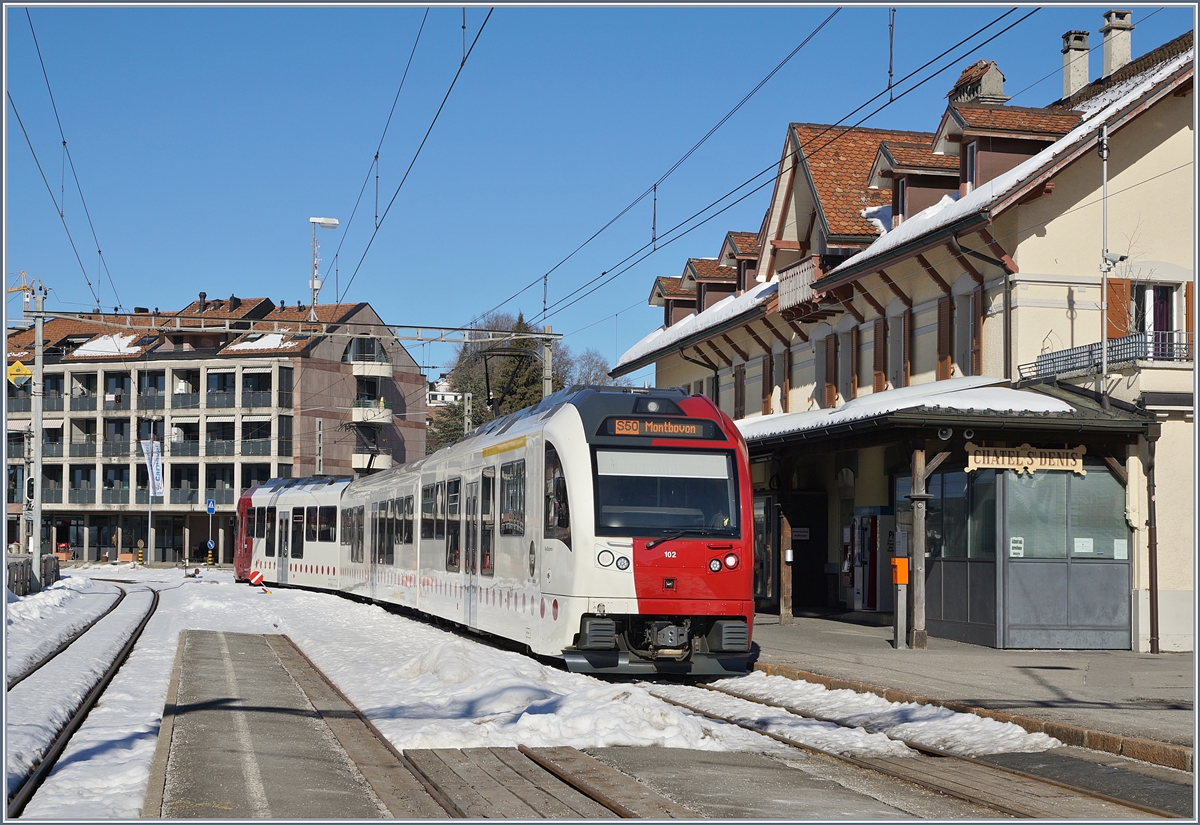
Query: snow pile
(106,345)
(927,725)
(880,217)
(272,340)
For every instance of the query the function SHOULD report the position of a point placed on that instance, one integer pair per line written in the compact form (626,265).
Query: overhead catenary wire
(417,154)
(71,161)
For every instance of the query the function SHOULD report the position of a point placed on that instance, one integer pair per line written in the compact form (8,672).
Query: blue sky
(204,139)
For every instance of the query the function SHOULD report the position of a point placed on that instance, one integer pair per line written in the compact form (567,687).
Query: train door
(297,545)
(284,521)
(471,555)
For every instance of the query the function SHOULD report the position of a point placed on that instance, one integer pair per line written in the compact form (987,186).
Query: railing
(185,401)
(114,495)
(52,403)
(81,495)
(221,400)
(222,496)
(51,495)
(52,449)
(795,282)
(142,496)
(116,446)
(185,496)
(285,446)
(1141,346)
(83,447)
(16,449)
(152,401)
(20,403)
(116,401)
(256,446)
(256,398)
(184,448)
(83,402)
(219,446)
(372,404)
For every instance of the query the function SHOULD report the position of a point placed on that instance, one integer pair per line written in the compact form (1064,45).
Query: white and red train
(609,527)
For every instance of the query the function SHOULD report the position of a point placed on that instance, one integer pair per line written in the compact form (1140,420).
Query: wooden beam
(799,332)
(934,463)
(964,263)
(932,273)
(1118,469)
(728,361)
(765,347)
(735,348)
(782,338)
(862,290)
(705,358)
(847,301)
(778,243)
(904,299)
(999,252)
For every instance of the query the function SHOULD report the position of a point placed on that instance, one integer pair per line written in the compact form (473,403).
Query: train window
(407,532)
(487,522)
(378,514)
(558,513)
(270,545)
(427,512)
(345,534)
(283,534)
(453,526)
(659,493)
(260,523)
(250,517)
(439,510)
(326,523)
(310,525)
(298,530)
(512,498)
(389,543)
(356,551)
(470,537)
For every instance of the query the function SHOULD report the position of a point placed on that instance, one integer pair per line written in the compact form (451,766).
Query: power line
(71,160)
(417,153)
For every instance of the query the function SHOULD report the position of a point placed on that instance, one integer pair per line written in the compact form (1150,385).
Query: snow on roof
(723,310)
(978,394)
(1097,110)
(103,346)
(271,340)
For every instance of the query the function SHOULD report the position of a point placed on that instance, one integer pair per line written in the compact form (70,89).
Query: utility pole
(547,372)
(39,298)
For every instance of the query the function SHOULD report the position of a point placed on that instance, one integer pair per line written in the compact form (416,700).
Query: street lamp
(315,283)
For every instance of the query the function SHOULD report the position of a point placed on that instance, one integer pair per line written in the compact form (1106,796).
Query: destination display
(660,427)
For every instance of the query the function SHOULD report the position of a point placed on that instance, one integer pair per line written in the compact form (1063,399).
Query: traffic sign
(18,373)
(256,578)
(212,506)
(211,544)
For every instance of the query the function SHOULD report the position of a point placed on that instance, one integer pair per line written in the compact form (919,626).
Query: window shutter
(787,380)
(879,366)
(830,371)
(977,331)
(906,337)
(852,390)
(1120,307)
(944,318)
(768,383)
(1188,316)
(739,391)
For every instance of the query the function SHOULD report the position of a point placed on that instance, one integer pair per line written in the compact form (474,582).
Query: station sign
(641,426)
(1025,459)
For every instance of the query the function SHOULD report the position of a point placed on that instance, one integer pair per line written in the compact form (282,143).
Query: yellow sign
(504,447)
(18,373)
(1025,459)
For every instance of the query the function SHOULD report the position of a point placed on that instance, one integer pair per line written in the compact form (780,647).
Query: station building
(235,391)
(932,302)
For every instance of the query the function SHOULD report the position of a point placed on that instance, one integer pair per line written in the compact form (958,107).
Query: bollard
(210,557)
(900,581)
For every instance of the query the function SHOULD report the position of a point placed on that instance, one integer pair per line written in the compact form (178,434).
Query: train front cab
(671,504)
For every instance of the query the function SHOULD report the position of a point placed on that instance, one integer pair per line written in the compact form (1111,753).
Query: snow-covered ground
(422,687)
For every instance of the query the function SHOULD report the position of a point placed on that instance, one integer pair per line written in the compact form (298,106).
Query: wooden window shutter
(830,388)
(739,391)
(1120,307)
(786,383)
(852,357)
(1188,316)
(906,337)
(944,317)
(768,383)
(879,364)
(977,331)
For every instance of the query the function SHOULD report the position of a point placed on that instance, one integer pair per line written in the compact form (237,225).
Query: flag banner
(152,450)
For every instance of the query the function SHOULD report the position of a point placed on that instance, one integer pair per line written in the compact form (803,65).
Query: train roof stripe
(504,447)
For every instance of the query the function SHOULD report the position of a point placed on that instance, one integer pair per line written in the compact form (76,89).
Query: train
(609,528)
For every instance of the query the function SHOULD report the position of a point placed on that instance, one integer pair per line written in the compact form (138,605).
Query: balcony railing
(83,447)
(20,403)
(256,398)
(81,495)
(52,449)
(219,446)
(795,282)
(51,495)
(83,403)
(116,401)
(151,401)
(221,496)
(114,495)
(184,448)
(16,449)
(256,446)
(1141,346)
(116,446)
(185,401)
(52,403)
(185,496)
(142,496)
(221,400)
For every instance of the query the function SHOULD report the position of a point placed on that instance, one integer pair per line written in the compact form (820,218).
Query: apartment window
(826,360)
(285,387)
(767,383)
(285,438)
(899,335)
(968,333)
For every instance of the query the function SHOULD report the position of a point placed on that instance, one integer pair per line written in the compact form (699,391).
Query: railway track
(13,681)
(25,689)
(1003,789)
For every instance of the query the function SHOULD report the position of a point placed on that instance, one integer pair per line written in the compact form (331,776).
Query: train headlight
(604,558)
(731,560)
(715,565)
(622,563)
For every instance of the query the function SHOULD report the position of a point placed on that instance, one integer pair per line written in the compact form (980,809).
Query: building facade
(905,286)
(234,392)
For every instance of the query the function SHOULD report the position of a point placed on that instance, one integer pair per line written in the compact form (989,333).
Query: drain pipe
(1152,536)
(716,376)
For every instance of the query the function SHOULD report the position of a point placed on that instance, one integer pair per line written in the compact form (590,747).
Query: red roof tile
(919,156)
(673,288)
(1050,122)
(707,269)
(745,243)
(839,161)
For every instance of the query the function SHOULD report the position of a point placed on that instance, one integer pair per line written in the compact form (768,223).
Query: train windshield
(658,493)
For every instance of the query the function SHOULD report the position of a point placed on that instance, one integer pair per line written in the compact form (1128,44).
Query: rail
(1141,346)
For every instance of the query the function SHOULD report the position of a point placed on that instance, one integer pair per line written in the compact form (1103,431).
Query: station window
(512,498)
(326,523)
(960,519)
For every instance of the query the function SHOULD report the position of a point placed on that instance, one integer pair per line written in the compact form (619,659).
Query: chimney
(234,302)
(980,84)
(1118,23)
(1075,62)
(203,304)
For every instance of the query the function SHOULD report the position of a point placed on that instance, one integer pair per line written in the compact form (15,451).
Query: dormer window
(969,173)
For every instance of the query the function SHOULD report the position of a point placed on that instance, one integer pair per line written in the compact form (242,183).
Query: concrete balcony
(371,369)
(362,460)
(372,411)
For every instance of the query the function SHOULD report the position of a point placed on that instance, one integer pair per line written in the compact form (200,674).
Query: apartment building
(235,391)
